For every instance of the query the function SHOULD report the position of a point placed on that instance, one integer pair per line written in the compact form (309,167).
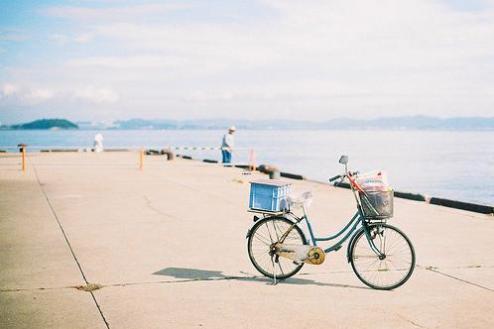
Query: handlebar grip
(332,179)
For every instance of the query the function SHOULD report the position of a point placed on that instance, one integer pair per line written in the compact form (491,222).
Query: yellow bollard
(141,159)
(24,159)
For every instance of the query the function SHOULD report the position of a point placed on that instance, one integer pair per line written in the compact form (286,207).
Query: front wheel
(263,235)
(393,267)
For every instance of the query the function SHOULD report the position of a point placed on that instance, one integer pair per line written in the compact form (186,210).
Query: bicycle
(381,255)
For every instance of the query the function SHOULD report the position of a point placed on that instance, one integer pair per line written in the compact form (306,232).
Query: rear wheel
(263,235)
(389,270)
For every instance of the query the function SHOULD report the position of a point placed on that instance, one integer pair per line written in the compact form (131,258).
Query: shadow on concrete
(191,274)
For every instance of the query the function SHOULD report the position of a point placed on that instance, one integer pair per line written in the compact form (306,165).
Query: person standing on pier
(227,145)
(98,143)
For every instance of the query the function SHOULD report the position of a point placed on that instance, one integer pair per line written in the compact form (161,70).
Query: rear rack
(268,213)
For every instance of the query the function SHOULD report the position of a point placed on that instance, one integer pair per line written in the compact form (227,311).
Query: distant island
(46,124)
(383,123)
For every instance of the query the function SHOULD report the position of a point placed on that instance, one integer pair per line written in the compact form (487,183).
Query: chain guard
(301,253)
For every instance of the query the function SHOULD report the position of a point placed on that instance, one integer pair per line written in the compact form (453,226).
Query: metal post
(24,159)
(252,160)
(141,159)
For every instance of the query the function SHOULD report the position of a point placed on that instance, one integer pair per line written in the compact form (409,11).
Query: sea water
(451,164)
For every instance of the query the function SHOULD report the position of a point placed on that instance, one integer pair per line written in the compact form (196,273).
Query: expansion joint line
(459,279)
(52,209)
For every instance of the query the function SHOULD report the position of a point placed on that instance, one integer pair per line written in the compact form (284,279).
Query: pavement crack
(31,289)
(472,266)
(86,287)
(150,206)
(435,270)
(50,205)
(415,324)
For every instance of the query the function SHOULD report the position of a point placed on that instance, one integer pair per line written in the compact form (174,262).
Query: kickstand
(274,272)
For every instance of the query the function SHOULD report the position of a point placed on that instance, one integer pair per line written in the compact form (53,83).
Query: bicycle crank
(301,253)
(316,256)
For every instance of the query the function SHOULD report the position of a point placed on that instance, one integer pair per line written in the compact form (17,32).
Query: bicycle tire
(266,269)
(398,248)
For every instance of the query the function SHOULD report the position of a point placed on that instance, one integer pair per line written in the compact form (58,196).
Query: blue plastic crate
(269,195)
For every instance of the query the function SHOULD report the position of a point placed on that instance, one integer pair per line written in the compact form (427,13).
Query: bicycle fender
(350,244)
(256,219)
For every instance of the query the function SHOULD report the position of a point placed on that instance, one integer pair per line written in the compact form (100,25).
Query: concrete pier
(165,247)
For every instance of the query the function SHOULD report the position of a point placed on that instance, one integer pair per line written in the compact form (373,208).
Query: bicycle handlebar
(332,179)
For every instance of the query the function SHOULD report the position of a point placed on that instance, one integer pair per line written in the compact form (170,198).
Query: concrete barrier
(272,171)
(266,169)
(152,152)
(483,209)
(169,154)
(116,150)
(409,196)
(292,176)
(60,150)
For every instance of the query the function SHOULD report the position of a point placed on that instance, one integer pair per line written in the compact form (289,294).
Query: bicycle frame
(350,228)
(357,222)
(353,225)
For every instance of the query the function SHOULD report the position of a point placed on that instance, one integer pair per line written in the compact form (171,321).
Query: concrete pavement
(167,245)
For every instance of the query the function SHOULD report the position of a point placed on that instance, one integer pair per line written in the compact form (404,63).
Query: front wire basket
(377,204)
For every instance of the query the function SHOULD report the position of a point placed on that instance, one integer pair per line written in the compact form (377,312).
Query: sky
(265,59)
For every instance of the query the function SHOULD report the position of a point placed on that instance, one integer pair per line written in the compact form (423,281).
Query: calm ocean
(449,164)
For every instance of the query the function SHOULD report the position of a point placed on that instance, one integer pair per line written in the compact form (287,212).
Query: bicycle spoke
(270,237)
(276,231)
(267,243)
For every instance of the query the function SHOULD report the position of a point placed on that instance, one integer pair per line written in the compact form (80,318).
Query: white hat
(232,128)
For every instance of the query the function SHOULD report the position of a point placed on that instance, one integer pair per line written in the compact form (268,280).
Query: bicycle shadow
(191,274)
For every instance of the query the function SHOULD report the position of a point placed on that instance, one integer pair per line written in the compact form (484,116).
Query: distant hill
(46,124)
(384,123)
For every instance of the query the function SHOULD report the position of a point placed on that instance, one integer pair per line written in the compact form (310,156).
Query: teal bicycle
(380,254)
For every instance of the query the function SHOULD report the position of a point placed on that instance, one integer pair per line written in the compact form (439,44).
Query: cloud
(59,38)
(96,95)
(31,95)
(38,95)
(319,58)
(113,13)
(25,95)
(8,89)
(127,62)
(83,37)
(63,39)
